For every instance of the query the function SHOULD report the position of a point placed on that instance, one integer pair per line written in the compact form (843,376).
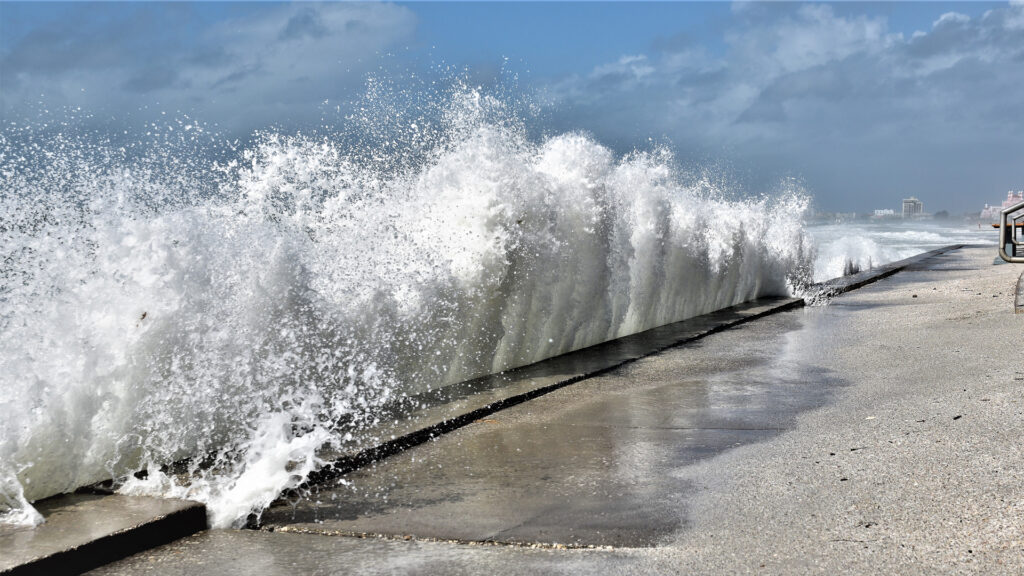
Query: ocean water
(243,315)
(859,245)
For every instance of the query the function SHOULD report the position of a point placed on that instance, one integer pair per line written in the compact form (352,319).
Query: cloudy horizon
(865,103)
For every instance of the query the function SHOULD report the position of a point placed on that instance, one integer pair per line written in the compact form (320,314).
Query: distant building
(1013,198)
(992,212)
(886,213)
(912,207)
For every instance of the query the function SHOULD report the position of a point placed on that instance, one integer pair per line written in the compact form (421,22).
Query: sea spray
(239,316)
(851,247)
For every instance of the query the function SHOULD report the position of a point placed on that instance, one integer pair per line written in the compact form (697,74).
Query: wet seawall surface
(682,408)
(631,457)
(590,464)
(908,463)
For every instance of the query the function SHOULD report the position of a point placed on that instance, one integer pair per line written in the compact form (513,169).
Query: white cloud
(809,87)
(1015,16)
(274,59)
(273,65)
(812,37)
(741,6)
(635,67)
(951,18)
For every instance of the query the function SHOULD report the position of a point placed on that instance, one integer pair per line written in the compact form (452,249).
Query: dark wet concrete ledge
(85,531)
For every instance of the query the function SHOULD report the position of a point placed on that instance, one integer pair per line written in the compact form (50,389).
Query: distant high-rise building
(912,207)
(1013,198)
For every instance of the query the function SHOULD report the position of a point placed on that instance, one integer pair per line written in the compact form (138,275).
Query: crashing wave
(256,311)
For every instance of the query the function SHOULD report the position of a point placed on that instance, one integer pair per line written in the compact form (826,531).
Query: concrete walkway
(83,531)
(881,433)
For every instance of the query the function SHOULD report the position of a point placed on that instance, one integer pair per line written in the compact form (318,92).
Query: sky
(865,103)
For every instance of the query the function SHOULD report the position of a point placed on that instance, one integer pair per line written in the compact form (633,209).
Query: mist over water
(157,306)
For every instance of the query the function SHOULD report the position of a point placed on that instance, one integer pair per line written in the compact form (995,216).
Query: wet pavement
(878,434)
(561,468)
(83,531)
(413,420)
(588,465)
(249,552)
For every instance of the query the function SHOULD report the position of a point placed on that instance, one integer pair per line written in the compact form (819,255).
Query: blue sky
(866,102)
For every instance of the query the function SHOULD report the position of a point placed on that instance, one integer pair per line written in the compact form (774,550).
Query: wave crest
(254,311)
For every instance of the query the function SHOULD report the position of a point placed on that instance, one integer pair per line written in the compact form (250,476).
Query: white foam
(859,246)
(14,508)
(251,314)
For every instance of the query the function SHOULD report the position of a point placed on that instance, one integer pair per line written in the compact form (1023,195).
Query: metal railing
(1011,248)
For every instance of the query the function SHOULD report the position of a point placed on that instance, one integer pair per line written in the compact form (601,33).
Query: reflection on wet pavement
(594,463)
